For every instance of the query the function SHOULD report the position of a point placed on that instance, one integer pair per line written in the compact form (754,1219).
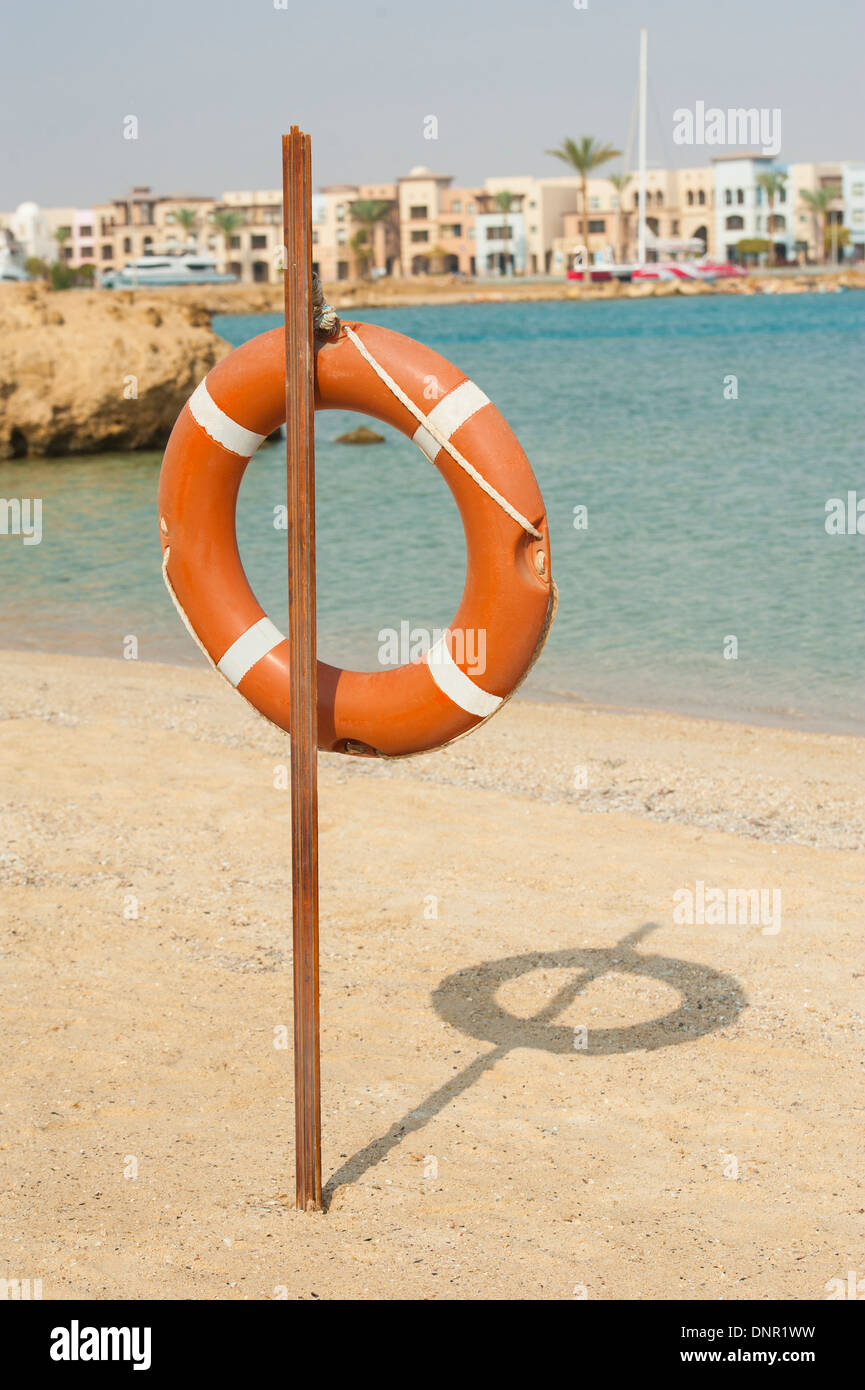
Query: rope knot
(324,317)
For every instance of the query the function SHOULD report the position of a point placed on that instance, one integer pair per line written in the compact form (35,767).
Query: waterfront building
(436,224)
(429,226)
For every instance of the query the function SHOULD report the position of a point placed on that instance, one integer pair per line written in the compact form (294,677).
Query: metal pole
(641,212)
(303,693)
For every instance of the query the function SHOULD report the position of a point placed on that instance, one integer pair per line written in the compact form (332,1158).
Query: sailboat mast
(641,213)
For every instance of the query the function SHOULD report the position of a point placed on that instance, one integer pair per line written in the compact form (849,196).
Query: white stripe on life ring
(456,684)
(452,410)
(249,648)
(220,426)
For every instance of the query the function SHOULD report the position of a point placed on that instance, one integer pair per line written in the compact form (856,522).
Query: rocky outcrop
(362,435)
(85,371)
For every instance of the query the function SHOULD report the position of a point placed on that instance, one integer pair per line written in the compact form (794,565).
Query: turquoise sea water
(706,515)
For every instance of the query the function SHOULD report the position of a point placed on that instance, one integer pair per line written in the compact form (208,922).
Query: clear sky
(213,83)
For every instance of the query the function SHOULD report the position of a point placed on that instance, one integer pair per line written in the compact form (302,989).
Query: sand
(478,912)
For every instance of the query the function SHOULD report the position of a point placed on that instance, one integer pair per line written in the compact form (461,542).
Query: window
(234,243)
(659,199)
(315,236)
(782,195)
(674,226)
(734,224)
(420,234)
(418,212)
(594,204)
(740,195)
(858,190)
(457,206)
(127,245)
(107,251)
(470,209)
(86,252)
(499,233)
(67,253)
(340,212)
(598,225)
(341,236)
(690,198)
(533,230)
(728,195)
(85,231)
(258,242)
(857,217)
(701,197)
(65,231)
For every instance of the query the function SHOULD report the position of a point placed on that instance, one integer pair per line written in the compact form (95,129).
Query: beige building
(341,248)
(436,223)
(429,226)
(143,223)
(679,218)
(344,247)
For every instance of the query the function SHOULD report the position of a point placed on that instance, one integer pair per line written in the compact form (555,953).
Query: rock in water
(361,435)
(111,371)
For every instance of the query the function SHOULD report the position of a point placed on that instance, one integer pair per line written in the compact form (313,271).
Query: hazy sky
(213,83)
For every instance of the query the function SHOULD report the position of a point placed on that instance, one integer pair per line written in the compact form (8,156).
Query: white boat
(11,267)
(188,269)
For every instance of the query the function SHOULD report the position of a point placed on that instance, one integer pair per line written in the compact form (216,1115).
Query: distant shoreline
(448,289)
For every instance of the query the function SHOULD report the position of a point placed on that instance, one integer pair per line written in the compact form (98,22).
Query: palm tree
(620,183)
(772,184)
(227,223)
(818,201)
(61,236)
(359,244)
(584,155)
(188,219)
(368,212)
(504,202)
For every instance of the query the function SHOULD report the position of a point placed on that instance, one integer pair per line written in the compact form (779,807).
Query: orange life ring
(508,596)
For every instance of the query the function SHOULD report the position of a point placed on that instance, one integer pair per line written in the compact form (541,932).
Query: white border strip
(220,426)
(249,648)
(456,684)
(452,411)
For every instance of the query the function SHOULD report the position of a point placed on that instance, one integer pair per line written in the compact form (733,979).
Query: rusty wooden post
(303,693)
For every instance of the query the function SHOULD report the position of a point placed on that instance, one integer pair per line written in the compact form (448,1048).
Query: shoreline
(345,295)
(555,698)
(540,719)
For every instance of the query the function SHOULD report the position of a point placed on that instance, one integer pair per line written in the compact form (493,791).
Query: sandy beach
(536,1083)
